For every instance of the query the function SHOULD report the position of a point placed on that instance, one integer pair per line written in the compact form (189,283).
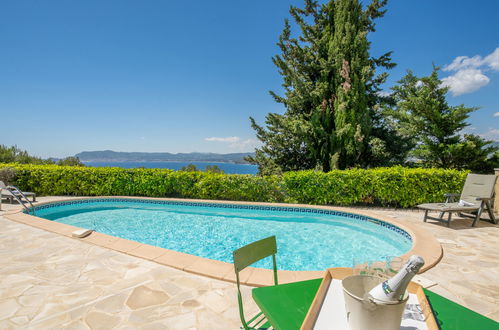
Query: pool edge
(424,244)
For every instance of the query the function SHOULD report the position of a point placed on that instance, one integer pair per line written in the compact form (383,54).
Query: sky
(185,76)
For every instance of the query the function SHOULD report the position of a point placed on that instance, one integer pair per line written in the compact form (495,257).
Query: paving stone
(113,304)
(143,296)
(191,303)
(185,321)
(98,320)
(8,309)
(20,320)
(31,300)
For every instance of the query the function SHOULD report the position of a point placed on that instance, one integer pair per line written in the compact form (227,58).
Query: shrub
(387,186)
(391,186)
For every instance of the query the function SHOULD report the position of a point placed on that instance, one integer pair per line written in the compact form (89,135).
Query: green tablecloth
(286,306)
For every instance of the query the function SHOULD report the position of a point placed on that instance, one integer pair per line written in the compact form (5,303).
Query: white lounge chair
(477,194)
(11,194)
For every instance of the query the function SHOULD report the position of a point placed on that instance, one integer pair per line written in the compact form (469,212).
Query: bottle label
(386,288)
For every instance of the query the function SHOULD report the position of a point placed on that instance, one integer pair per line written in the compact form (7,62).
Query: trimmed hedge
(394,186)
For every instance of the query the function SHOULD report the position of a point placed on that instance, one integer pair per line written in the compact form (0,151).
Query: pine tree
(423,113)
(330,87)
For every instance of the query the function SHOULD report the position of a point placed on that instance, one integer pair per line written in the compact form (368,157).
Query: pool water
(305,240)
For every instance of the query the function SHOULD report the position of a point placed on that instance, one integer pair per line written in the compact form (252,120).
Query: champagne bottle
(393,290)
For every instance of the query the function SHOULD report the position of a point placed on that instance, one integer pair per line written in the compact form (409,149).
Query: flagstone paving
(51,281)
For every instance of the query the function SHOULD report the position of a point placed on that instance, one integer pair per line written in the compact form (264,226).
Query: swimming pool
(307,238)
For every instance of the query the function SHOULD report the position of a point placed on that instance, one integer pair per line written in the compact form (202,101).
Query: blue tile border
(375,221)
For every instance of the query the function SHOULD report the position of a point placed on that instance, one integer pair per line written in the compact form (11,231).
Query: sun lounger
(477,195)
(10,193)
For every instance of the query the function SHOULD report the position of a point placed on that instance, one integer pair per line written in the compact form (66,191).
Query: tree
(475,154)
(70,161)
(331,90)
(15,155)
(285,148)
(189,168)
(213,169)
(422,113)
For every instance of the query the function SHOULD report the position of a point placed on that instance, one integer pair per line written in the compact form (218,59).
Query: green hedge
(395,186)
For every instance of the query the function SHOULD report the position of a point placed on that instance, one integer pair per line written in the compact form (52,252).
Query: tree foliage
(423,114)
(208,168)
(189,168)
(70,161)
(213,169)
(15,155)
(331,92)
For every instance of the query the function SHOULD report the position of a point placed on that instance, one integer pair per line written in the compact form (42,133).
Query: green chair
(244,257)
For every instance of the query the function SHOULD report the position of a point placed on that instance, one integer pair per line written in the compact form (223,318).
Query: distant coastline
(149,157)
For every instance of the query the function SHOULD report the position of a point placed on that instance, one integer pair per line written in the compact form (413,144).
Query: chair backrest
(478,186)
(3,189)
(251,253)
(248,255)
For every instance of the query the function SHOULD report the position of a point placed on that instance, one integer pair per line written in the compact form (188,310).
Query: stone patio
(51,281)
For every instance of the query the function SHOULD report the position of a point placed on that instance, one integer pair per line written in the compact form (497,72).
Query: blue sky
(179,76)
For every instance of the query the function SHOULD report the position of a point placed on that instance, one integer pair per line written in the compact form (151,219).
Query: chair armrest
(451,195)
(485,199)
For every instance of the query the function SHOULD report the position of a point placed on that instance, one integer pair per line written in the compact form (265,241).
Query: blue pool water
(305,240)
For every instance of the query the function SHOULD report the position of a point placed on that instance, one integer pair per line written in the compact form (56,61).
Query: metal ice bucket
(363,314)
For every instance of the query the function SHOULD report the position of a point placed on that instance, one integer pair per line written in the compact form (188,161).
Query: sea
(228,168)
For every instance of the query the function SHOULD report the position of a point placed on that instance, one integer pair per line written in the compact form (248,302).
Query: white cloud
(468,130)
(236,144)
(496,114)
(245,145)
(464,62)
(492,60)
(465,81)
(469,73)
(384,94)
(491,134)
(231,139)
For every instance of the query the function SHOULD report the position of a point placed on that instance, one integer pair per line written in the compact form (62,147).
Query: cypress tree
(330,87)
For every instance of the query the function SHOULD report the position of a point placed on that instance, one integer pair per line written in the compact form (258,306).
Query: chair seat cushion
(446,207)
(27,193)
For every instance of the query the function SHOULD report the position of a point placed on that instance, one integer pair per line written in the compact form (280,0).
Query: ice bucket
(363,314)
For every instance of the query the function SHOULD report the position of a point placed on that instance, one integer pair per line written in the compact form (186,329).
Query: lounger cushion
(445,207)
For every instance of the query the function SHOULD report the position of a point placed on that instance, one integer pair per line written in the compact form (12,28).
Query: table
(286,306)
